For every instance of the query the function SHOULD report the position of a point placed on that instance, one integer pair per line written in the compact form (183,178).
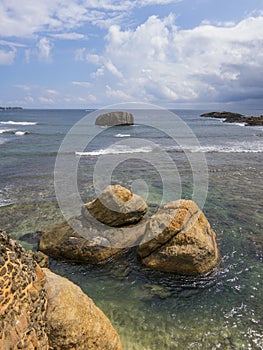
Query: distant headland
(235,118)
(9,108)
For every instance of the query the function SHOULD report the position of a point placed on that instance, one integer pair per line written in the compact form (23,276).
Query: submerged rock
(115,118)
(178,238)
(116,206)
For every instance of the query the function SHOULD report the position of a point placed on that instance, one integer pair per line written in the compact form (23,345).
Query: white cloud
(7,57)
(23,87)
(80,54)
(52,92)
(44,49)
(57,16)
(158,61)
(82,83)
(69,36)
(46,100)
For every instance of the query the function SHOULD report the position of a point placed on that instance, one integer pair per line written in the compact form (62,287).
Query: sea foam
(117,149)
(11,122)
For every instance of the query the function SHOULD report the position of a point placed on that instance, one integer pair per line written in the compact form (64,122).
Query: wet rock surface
(179,239)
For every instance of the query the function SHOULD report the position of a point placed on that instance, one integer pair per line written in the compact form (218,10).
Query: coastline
(230,117)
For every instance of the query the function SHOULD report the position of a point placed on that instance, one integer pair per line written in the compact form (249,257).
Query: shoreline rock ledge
(42,311)
(115,118)
(178,238)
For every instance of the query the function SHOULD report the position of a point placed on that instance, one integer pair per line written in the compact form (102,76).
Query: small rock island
(115,118)
(235,118)
(10,108)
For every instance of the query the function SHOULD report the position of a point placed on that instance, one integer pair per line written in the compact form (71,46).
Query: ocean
(50,158)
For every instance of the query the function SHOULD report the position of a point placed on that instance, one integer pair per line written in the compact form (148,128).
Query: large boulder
(115,118)
(89,241)
(40,310)
(62,241)
(178,238)
(116,206)
(22,299)
(73,320)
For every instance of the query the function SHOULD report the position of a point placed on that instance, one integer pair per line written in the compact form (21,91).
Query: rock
(222,115)
(40,258)
(32,237)
(73,320)
(41,311)
(115,118)
(94,245)
(116,206)
(22,299)
(236,118)
(178,238)
(61,241)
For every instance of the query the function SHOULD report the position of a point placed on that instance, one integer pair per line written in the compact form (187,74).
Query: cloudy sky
(92,53)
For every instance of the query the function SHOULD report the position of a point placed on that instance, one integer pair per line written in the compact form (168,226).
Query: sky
(94,53)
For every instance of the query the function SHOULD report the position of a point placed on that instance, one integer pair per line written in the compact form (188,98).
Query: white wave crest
(21,133)
(10,122)
(228,148)
(122,135)
(118,149)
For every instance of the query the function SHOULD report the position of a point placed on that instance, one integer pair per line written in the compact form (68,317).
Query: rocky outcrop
(40,310)
(178,238)
(73,320)
(115,118)
(91,242)
(108,225)
(23,299)
(236,118)
(223,115)
(116,206)
(63,242)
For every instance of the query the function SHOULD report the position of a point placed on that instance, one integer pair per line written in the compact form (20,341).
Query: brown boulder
(22,299)
(89,241)
(116,206)
(115,118)
(73,320)
(41,310)
(61,241)
(178,238)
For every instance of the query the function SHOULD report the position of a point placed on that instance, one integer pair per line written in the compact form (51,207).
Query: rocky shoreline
(41,310)
(235,118)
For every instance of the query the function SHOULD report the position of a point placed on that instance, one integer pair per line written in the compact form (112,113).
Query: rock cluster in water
(235,118)
(177,238)
(115,118)
(113,221)
(41,310)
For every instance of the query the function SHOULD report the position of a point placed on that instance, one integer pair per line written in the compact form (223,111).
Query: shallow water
(153,310)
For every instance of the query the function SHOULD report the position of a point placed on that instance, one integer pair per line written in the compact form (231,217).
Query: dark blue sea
(52,160)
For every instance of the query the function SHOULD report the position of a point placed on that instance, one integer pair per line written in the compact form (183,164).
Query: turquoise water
(152,310)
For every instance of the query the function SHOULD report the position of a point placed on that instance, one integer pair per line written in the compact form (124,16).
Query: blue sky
(92,53)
